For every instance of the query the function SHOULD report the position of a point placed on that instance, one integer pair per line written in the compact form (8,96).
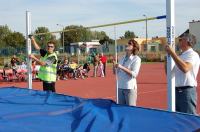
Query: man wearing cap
(185,71)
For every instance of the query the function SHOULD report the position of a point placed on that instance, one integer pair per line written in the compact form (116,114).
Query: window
(121,48)
(145,47)
(153,48)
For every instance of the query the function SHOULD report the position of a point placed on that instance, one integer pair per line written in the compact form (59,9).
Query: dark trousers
(104,69)
(186,99)
(49,86)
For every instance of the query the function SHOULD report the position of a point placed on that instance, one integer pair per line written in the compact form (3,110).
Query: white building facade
(85,47)
(194,28)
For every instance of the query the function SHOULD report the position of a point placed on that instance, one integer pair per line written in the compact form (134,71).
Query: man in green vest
(48,64)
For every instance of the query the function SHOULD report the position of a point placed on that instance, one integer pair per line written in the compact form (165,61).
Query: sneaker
(64,78)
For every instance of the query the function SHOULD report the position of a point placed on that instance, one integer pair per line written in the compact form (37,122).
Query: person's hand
(31,56)
(30,36)
(168,49)
(118,65)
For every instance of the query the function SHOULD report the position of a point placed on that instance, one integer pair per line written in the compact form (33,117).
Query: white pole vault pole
(116,60)
(28,48)
(170,4)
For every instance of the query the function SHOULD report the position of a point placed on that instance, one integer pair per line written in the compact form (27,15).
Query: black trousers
(49,86)
(104,69)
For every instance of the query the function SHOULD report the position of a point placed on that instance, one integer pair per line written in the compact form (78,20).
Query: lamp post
(63,36)
(146,28)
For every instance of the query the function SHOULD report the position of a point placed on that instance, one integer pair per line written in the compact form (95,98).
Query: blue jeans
(186,100)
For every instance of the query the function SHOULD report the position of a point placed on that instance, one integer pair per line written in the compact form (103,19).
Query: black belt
(48,82)
(183,87)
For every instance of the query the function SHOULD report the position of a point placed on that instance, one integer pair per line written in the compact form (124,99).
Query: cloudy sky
(48,13)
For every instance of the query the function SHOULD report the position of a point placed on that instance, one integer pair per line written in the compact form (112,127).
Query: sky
(49,13)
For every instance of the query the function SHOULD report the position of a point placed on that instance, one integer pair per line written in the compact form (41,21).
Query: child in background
(100,69)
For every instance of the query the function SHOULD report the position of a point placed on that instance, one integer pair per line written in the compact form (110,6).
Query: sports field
(152,87)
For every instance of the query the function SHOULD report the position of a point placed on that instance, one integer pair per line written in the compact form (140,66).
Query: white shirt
(23,66)
(125,81)
(189,78)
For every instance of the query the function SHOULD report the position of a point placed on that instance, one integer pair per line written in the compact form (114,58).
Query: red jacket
(103,59)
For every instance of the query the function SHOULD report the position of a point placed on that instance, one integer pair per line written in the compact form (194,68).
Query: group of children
(68,70)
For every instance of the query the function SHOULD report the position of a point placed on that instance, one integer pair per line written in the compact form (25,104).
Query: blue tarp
(24,110)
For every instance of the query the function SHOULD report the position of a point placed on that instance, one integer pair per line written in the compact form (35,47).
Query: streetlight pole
(63,40)
(146,28)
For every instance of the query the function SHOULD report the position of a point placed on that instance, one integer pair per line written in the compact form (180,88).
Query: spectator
(95,64)
(65,69)
(59,70)
(103,59)
(113,63)
(23,66)
(89,59)
(101,69)
(33,67)
(14,63)
(80,72)
(73,69)
(86,67)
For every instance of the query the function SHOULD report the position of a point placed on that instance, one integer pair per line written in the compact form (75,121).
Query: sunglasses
(180,39)
(50,46)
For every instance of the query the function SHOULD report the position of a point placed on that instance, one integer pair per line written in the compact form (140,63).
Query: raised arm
(36,46)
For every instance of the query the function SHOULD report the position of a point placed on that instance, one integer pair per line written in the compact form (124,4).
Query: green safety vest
(48,73)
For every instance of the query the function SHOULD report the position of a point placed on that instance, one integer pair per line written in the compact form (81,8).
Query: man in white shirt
(185,72)
(128,69)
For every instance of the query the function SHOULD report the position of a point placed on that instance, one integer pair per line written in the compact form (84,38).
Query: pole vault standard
(28,48)
(170,63)
(116,61)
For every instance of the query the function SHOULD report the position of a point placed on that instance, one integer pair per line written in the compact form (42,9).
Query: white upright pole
(170,63)
(28,48)
(116,58)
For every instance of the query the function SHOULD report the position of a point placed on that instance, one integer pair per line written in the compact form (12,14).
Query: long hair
(135,45)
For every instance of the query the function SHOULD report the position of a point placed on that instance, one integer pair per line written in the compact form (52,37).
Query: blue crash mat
(24,110)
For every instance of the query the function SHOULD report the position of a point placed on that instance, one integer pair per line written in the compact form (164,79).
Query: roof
(139,40)
(86,43)
(193,21)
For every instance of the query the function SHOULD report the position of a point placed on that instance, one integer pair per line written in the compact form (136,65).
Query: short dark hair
(51,42)
(135,45)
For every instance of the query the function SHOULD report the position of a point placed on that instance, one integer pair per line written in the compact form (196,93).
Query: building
(85,47)
(155,44)
(194,28)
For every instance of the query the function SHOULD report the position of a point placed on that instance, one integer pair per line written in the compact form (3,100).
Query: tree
(43,39)
(128,35)
(76,34)
(15,39)
(79,33)
(4,32)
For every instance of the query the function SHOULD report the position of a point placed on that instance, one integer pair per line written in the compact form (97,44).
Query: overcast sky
(48,13)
